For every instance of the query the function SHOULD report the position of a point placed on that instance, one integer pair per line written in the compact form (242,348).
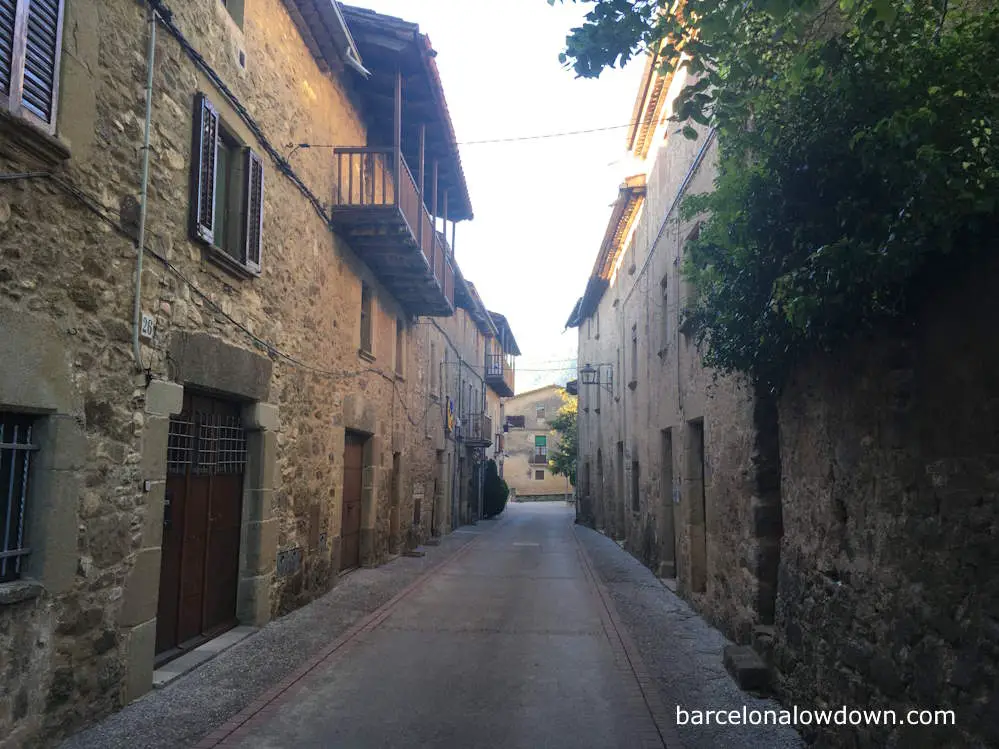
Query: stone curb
(616,629)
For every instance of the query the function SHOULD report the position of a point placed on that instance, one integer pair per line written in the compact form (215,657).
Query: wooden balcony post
(397,123)
(423,145)
(454,225)
(445,216)
(433,196)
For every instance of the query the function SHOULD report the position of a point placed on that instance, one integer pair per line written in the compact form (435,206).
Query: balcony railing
(500,374)
(479,430)
(539,459)
(386,224)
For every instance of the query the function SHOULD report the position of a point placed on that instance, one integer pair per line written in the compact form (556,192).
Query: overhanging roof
(506,338)
(630,196)
(387,45)
(467,297)
(325,32)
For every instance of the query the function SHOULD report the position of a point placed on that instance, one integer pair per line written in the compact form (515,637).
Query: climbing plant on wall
(856,146)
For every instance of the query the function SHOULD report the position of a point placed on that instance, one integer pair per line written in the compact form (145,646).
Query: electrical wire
(93,204)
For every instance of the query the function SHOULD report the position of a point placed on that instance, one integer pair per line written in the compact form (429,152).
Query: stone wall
(703,507)
(65,283)
(888,596)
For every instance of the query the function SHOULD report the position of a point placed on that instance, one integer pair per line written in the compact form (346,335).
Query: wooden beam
(398,133)
(420,187)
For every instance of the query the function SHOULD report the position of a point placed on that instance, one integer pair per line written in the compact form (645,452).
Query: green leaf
(689,133)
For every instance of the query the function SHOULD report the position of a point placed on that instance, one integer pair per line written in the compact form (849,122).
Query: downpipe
(144,194)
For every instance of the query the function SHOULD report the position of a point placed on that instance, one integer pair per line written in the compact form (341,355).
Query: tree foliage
(562,460)
(856,149)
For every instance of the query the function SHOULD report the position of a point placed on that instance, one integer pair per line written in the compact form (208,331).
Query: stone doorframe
(198,358)
(359,415)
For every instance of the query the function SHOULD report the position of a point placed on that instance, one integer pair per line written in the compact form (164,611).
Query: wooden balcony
(380,212)
(500,373)
(479,430)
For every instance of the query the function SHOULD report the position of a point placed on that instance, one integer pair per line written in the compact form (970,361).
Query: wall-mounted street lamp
(602,375)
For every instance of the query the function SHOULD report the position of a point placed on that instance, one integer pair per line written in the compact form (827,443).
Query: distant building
(530,440)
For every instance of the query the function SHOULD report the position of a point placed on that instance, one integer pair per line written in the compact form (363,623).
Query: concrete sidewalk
(181,713)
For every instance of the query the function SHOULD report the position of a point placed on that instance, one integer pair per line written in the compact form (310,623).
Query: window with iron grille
(227,196)
(539,475)
(30,48)
(16,452)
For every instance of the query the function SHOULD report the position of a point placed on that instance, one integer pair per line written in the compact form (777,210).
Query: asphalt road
(507,645)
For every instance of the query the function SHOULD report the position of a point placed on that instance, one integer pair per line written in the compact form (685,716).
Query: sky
(541,206)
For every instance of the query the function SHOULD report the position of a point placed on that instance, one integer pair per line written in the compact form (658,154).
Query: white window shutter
(204,163)
(254,211)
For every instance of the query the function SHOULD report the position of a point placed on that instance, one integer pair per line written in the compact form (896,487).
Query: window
(633,383)
(16,451)
(434,369)
(539,412)
(664,290)
(30,48)
(235,8)
(365,318)
(597,315)
(227,192)
(515,422)
(400,344)
(539,475)
(540,449)
(636,502)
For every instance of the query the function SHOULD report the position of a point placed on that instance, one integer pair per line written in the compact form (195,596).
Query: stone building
(529,441)
(467,383)
(846,528)
(669,461)
(214,444)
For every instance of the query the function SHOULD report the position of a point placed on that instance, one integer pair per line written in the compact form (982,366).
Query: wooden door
(199,573)
(353,477)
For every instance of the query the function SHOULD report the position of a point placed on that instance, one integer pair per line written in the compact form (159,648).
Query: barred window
(16,449)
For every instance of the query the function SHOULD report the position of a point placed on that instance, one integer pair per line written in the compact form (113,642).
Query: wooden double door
(353,481)
(202,518)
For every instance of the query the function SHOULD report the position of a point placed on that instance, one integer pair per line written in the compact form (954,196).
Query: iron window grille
(206,444)
(16,449)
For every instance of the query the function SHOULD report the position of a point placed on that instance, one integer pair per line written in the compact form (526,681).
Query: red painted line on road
(667,735)
(262,707)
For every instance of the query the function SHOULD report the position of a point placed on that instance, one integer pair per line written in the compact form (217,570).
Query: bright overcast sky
(541,207)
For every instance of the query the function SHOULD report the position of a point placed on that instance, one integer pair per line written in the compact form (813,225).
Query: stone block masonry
(887,590)
(81,627)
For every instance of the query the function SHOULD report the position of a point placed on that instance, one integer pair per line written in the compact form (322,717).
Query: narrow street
(512,640)
(505,646)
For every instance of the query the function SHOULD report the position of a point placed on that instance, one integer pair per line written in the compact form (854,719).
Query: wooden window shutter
(204,162)
(41,58)
(8,16)
(254,210)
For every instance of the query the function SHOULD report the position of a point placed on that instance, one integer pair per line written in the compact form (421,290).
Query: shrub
(494,491)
